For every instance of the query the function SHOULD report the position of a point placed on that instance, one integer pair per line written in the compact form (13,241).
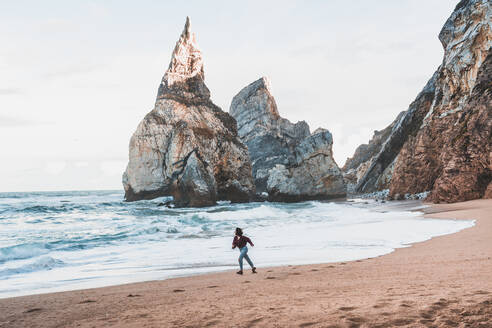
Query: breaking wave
(66,240)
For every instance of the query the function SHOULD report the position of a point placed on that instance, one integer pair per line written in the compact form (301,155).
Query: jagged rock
(288,162)
(442,142)
(488,192)
(355,168)
(405,126)
(313,174)
(450,155)
(366,152)
(270,138)
(186,146)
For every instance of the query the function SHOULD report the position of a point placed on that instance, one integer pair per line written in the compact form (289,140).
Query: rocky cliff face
(442,143)
(375,173)
(365,155)
(288,162)
(186,146)
(450,155)
(311,174)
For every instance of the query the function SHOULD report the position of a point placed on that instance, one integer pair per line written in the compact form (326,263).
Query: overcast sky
(78,76)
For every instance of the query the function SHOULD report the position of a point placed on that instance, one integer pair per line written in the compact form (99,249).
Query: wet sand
(443,282)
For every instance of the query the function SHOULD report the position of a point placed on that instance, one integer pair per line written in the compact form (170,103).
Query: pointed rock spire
(184,79)
(187,147)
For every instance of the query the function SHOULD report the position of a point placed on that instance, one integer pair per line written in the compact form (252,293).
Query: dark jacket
(240,241)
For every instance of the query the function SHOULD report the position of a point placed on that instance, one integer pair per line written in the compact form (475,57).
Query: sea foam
(71,240)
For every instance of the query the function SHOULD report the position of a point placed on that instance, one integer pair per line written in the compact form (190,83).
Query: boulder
(186,146)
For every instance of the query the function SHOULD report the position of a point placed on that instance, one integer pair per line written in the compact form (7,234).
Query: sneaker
(254,270)
(239,272)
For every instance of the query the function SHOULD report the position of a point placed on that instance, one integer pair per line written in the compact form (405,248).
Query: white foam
(128,242)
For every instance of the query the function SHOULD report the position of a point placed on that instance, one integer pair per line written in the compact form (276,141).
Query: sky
(76,77)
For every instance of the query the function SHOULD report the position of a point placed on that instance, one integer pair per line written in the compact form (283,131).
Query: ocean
(57,241)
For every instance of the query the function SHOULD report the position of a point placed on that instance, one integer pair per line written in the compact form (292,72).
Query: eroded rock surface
(288,162)
(365,155)
(186,146)
(442,142)
(450,155)
(374,175)
(312,173)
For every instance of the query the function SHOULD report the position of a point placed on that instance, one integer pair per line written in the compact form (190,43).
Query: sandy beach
(443,282)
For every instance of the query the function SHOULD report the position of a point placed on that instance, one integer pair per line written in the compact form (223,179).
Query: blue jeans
(244,254)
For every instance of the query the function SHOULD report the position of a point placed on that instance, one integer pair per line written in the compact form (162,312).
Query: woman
(240,242)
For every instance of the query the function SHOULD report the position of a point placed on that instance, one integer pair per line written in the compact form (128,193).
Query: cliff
(442,142)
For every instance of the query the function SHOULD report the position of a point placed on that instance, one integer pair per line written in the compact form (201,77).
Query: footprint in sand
(402,322)
(314,270)
(178,290)
(426,321)
(254,321)
(33,310)
(456,311)
(271,277)
(427,314)
(212,323)
(442,303)
(451,323)
(87,301)
(134,295)
(358,320)
(212,286)
(307,324)
(347,308)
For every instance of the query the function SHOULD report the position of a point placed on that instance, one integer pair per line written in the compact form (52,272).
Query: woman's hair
(239,232)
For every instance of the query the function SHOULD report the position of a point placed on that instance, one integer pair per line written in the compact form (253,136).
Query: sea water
(56,241)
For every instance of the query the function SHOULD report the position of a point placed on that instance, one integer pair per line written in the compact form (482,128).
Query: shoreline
(325,221)
(357,293)
(371,205)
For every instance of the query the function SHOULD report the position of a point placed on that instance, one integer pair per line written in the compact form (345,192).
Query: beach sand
(443,282)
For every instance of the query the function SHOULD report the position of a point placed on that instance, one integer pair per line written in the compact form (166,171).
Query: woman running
(240,242)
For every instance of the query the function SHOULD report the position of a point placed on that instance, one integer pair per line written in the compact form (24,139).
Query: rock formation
(186,146)
(288,162)
(365,155)
(446,147)
(375,172)
(311,174)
